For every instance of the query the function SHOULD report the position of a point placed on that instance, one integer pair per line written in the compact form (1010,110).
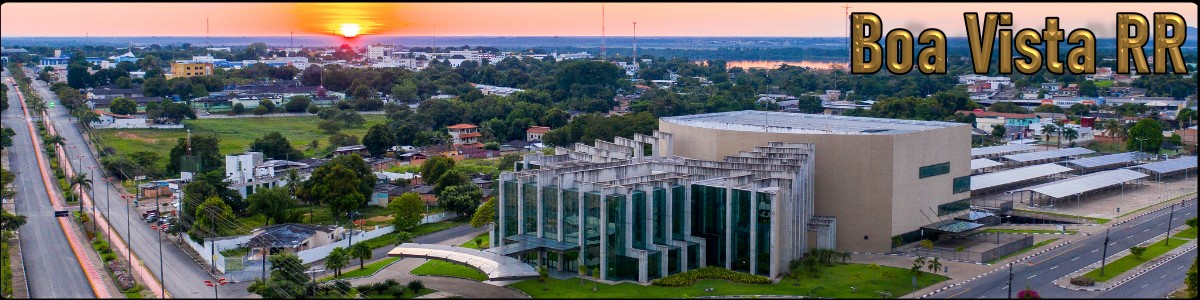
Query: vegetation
(1026,231)
(1035,246)
(337,259)
(407,211)
(443,268)
(1129,262)
(391,289)
(690,277)
(287,278)
(368,270)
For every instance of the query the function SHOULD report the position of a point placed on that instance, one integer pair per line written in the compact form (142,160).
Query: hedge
(690,277)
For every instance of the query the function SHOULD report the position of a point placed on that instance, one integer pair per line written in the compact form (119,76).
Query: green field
(236,134)
(1189,233)
(835,282)
(367,270)
(1129,262)
(1097,220)
(423,229)
(1035,246)
(1026,231)
(443,268)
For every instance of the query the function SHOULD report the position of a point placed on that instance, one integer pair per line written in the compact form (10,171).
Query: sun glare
(349,30)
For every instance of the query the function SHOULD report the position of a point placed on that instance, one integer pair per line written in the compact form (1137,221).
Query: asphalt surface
(1157,283)
(50,267)
(1056,263)
(183,276)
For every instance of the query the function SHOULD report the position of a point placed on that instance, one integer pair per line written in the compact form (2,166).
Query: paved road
(1054,264)
(184,277)
(1157,283)
(50,267)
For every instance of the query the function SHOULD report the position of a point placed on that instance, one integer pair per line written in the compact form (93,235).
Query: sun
(349,30)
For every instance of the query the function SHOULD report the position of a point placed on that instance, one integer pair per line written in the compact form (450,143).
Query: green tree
(934,265)
(267,104)
(123,106)
(337,259)
(362,252)
(462,199)
(10,222)
(1049,129)
(1146,136)
(407,211)
(1137,252)
(287,280)
(81,181)
(205,146)
(485,214)
(999,131)
(342,139)
(124,82)
(274,145)
(433,168)
(210,217)
(198,91)
(238,109)
(1185,117)
(343,183)
(273,203)
(1088,89)
(1192,280)
(917,265)
(378,140)
(297,104)
(1070,134)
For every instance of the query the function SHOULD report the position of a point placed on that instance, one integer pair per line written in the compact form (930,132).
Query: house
(465,135)
(1051,86)
(426,194)
(535,133)
(110,92)
(384,193)
(111,120)
(985,119)
(355,149)
(379,164)
(413,178)
(247,172)
(1188,135)
(1101,74)
(292,238)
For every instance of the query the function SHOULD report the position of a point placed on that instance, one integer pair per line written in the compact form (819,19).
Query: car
(151,219)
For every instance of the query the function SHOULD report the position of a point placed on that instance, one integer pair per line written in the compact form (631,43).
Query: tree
(275,146)
(238,109)
(1048,130)
(378,140)
(998,131)
(1088,89)
(1049,108)
(77,76)
(124,82)
(343,183)
(1137,252)
(287,278)
(297,104)
(206,147)
(810,105)
(81,181)
(10,222)
(268,104)
(198,91)
(1070,134)
(462,199)
(1146,136)
(544,276)
(337,260)
(349,118)
(1192,280)
(362,252)
(209,215)
(122,106)
(342,139)
(274,204)
(407,211)
(917,265)
(433,168)
(934,265)
(1185,117)
(328,126)
(485,214)
(1112,127)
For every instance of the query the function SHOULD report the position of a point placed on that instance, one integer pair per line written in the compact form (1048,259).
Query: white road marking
(1144,285)
(1094,250)
(1054,267)
(1164,276)
(1035,275)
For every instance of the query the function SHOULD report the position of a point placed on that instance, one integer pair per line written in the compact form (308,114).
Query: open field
(236,134)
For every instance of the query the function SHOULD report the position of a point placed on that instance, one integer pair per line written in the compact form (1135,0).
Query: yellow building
(189,70)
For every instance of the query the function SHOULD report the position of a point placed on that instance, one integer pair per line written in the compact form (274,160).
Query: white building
(994,80)
(379,51)
(569,56)
(248,172)
(111,120)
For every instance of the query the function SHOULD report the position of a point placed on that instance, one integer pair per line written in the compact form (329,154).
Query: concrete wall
(858,177)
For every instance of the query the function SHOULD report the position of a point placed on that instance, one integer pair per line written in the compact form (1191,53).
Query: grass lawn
(235,252)
(236,134)
(423,229)
(1107,146)
(1129,262)
(442,268)
(1027,231)
(835,282)
(1035,246)
(1098,220)
(407,294)
(368,270)
(1189,233)
(320,216)
(484,241)
(7,270)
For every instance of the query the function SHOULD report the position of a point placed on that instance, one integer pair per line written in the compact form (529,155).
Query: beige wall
(860,179)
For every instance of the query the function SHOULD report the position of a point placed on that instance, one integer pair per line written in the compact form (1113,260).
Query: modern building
(985,119)
(247,172)
(882,179)
(191,69)
(465,135)
(638,216)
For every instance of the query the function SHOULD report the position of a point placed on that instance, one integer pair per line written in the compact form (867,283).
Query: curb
(993,270)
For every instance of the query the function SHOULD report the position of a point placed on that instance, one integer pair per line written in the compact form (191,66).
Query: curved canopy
(495,266)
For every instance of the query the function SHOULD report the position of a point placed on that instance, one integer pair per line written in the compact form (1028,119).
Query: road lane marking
(1164,276)
(1077,258)
(1144,285)
(1093,251)
(1054,267)
(1031,277)
(959,293)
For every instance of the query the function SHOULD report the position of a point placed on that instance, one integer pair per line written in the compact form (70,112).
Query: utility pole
(1170,218)
(1104,254)
(161,274)
(1010,276)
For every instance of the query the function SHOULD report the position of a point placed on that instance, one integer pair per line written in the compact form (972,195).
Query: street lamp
(1140,143)
(221,281)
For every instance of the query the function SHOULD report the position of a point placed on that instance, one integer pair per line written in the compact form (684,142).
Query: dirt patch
(379,219)
(133,136)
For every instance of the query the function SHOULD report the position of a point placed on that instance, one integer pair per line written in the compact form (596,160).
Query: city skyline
(538,19)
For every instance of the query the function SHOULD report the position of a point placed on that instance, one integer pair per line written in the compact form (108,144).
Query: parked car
(151,219)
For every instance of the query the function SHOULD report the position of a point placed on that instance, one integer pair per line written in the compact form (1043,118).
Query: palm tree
(934,265)
(81,181)
(845,256)
(917,265)
(1048,130)
(1070,134)
(55,139)
(544,276)
(1111,127)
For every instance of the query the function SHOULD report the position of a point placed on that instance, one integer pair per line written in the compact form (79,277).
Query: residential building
(378,51)
(191,69)
(465,136)
(352,149)
(247,172)
(292,238)
(1188,136)
(985,119)
(111,120)
(637,217)
(975,78)
(535,133)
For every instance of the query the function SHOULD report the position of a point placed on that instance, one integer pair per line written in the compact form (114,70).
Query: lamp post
(1010,276)
(1140,144)
(92,170)
(221,281)
(1170,217)
(1104,254)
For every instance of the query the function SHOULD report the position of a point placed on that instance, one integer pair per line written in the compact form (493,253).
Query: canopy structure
(1000,150)
(983,163)
(1082,184)
(522,243)
(1167,166)
(952,226)
(997,179)
(1047,155)
(496,266)
(1103,161)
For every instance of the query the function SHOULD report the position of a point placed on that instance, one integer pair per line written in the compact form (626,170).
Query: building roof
(462,126)
(1170,165)
(980,163)
(1106,160)
(1085,183)
(285,235)
(991,114)
(349,148)
(470,135)
(979,182)
(1002,149)
(765,121)
(538,129)
(118,116)
(1026,157)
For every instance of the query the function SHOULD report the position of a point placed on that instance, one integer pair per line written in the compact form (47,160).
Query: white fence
(206,250)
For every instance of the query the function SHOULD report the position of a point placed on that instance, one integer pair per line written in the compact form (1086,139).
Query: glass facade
(934,170)
(639,220)
(570,203)
(549,212)
(953,207)
(591,230)
(742,217)
(530,192)
(510,209)
(962,184)
(708,222)
(762,211)
(659,216)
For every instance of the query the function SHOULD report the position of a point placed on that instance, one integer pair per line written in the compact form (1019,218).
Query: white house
(111,120)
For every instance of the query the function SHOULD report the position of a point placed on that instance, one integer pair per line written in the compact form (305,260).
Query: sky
(540,19)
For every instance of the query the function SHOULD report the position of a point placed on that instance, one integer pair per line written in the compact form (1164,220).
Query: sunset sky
(538,19)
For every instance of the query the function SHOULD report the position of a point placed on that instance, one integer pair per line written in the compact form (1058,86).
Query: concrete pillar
(728,227)
(603,237)
(753,211)
(520,206)
(495,239)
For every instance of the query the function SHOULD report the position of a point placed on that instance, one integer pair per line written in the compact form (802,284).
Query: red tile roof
(538,129)
(463,126)
(469,135)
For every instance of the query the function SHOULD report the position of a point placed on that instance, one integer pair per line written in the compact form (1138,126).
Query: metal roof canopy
(1069,187)
(979,182)
(496,266)
(1002,149)
(1106,160)
(952,226)
(1170,165)
(1027,157)
(980,163)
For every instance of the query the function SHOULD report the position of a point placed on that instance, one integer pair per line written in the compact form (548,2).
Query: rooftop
(764,121)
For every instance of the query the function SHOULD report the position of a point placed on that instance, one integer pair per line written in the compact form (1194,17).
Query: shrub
(390,283)
(396,291)
(1083,281)
(416,286)
(690,277)
(107,257)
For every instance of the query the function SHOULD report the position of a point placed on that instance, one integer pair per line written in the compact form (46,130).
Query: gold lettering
(1127,45)
(1164,45)
(1033,61)
(862,44)
(1052,35)
(1082,59)
(932,59)
(981,43)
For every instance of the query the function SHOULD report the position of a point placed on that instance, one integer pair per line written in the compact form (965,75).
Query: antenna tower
(846,8)
(635,57)
(602,51)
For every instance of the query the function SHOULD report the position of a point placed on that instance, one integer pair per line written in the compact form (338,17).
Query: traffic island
(1124,266)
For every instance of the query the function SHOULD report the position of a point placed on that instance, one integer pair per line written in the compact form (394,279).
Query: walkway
(496,266)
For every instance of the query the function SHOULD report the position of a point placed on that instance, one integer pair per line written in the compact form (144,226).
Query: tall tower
(635,57)
(846,7)
(603,52)
(206,32)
